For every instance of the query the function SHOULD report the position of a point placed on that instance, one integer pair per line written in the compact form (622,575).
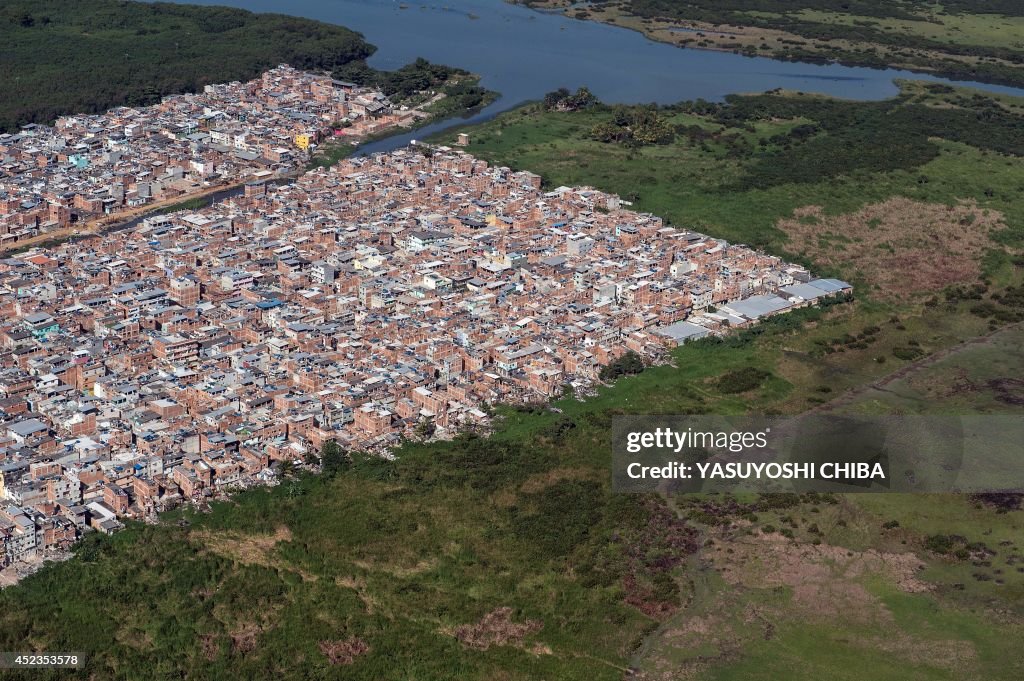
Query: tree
(581,99)
(425,428)
(333,458)
(606,132)
(555,97)
(621,116)
(630,363)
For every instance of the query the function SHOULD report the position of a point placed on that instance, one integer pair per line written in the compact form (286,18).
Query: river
(523,54)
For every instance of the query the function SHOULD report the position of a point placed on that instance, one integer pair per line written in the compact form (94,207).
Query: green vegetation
(627,365)
(966,40)
(635,127)
(188,204)
(407,83)
(90,55)
(742,380)
(332,459)
(406,558)
(563,100)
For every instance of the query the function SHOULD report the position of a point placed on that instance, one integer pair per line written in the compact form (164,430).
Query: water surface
(523,54)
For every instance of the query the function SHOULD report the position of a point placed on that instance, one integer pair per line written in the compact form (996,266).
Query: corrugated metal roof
(682,331)
(759,306)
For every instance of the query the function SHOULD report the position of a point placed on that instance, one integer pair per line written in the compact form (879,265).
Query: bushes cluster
(742,380)
(634,126)
(627,365)
(563,100)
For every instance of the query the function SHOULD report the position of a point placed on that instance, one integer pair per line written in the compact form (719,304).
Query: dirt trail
(881,384)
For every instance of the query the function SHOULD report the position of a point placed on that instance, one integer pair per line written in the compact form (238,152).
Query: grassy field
(962,40)
(960,28)
(851,587)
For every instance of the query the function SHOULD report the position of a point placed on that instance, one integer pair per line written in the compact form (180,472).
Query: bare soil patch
(946,653)
(825,580)
(244,637)
(210,646)
(901,247)
(345,651)
(397,570)
(496,628)
(1008,390)
(251,549)
(358,584)
(541,481)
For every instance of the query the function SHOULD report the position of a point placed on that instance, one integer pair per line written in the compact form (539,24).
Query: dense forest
(90,55)
(459,86)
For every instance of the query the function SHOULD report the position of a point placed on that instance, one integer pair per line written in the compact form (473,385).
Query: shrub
(629,364)
(742,380)
(907,352)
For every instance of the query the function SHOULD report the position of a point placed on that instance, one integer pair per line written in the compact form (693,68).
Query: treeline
(460,87)
(893,134)
(564,100)
(91,55)
(405,82)
(842,136)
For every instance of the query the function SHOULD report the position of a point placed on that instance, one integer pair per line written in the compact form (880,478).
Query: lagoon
(523,53)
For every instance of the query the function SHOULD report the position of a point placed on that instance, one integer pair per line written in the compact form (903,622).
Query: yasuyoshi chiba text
(746,470)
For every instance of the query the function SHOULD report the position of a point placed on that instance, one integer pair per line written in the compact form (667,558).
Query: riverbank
(442,107)
(734,169)
(955,46)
